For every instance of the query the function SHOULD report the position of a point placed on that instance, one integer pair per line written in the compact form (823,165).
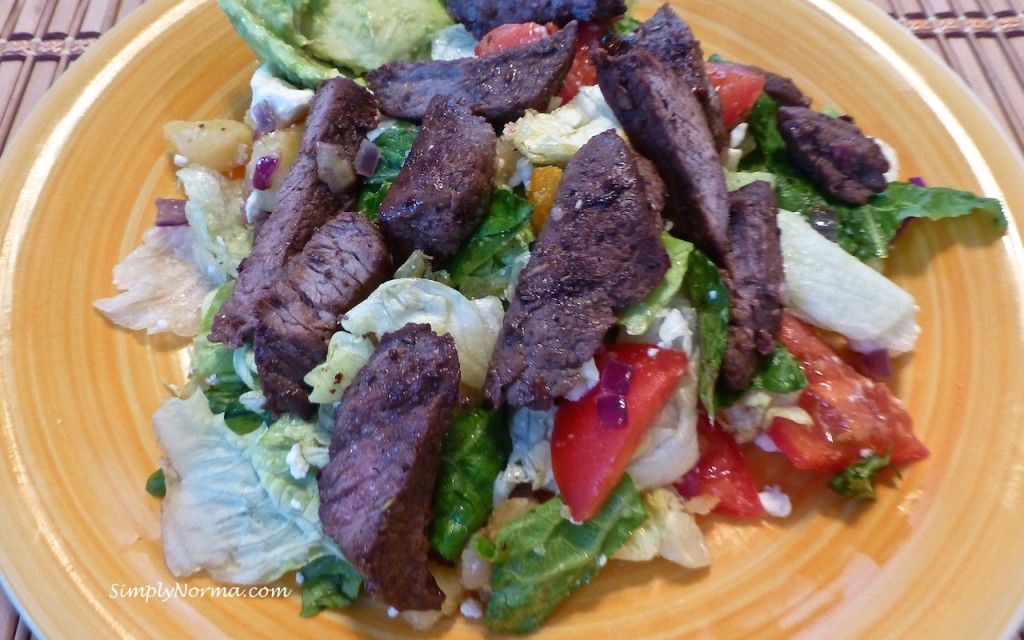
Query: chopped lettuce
(286,459)
(832,290)
(638,318)
(858,480)
(554,138)
(670,532)
(218,515)
(473,324)
(394,143)
(778,373)
(475,451)
(669,448)
(162,284)
(212,358)
(709,296)
(486,261)
(346,355)
(867,230)
(530,460)
(329,582)
(215,216)
(539,558)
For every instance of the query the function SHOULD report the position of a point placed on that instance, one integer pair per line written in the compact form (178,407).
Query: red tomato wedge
(722,473)
(851,412)
(582,73)
(589,451)
(513,35)
(738,88)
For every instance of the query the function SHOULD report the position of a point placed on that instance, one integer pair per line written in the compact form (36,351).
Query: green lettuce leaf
(286,459)
(218,515)
(212,358)
(638,318)
(865,231)
(484,263)
(329,582)
(709,296)
(779,372)
(858,480)
(541,557)
(216,219)
(475,450)
(394,144)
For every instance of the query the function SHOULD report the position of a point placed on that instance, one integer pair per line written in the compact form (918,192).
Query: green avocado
(307,41)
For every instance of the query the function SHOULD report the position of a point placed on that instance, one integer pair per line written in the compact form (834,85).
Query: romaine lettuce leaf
(217,515)
(394,144)
(475,451)
(539,558)
(709,296)
(638,318)
(212,358)
(865,231)
(329,582)
(485,263)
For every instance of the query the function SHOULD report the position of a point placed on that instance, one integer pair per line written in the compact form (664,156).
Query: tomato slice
(513,35)
(582,73)
(738,88)
(722,473)
(852,413)
(589,455)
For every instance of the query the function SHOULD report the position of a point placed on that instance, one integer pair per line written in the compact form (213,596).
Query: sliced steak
(599,251)
(834,153)
(499,86)
(376,491)
(341,114)
(755,280)
(480,16)
(781,88)
(444,187)
(671,41)
(666,123)
(342,263)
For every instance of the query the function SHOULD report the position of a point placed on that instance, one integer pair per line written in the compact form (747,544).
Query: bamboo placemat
(982,40)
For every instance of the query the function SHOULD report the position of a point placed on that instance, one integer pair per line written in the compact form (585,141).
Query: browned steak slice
(442,191)
(671,41)
(480,16)
(599,251)
(342,263)
(755,282)
(834,153)
(499,86)
(666,123)
(376,491)
(341,114)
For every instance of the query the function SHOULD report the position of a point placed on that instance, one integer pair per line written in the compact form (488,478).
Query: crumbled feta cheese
(589,377)
(288,103)
(775,502)
(297,465)
(602,560)
(392,612)
(471,608)
(296,505)
(180,160)
(299,578)
(765,443)
(258,203)
(453,43)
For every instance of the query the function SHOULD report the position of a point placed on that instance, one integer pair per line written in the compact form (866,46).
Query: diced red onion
(263,174)
(170,212)
(333,168)
(263,118)
(611,411)
(872,359)
(615,378)
(367,158)
(919,181)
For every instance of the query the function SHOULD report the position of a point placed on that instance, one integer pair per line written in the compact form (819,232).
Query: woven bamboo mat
(982,40)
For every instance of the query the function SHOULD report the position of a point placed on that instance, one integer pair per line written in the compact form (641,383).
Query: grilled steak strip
(671,41)
(599,251)
(443,189)
(341,114)
(834,153)
(781,88)
(376,491)
(755,281)
(342,263)
(499,86)
(480,16)
(666,123)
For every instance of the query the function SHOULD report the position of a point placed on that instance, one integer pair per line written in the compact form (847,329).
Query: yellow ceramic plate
(939,555)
